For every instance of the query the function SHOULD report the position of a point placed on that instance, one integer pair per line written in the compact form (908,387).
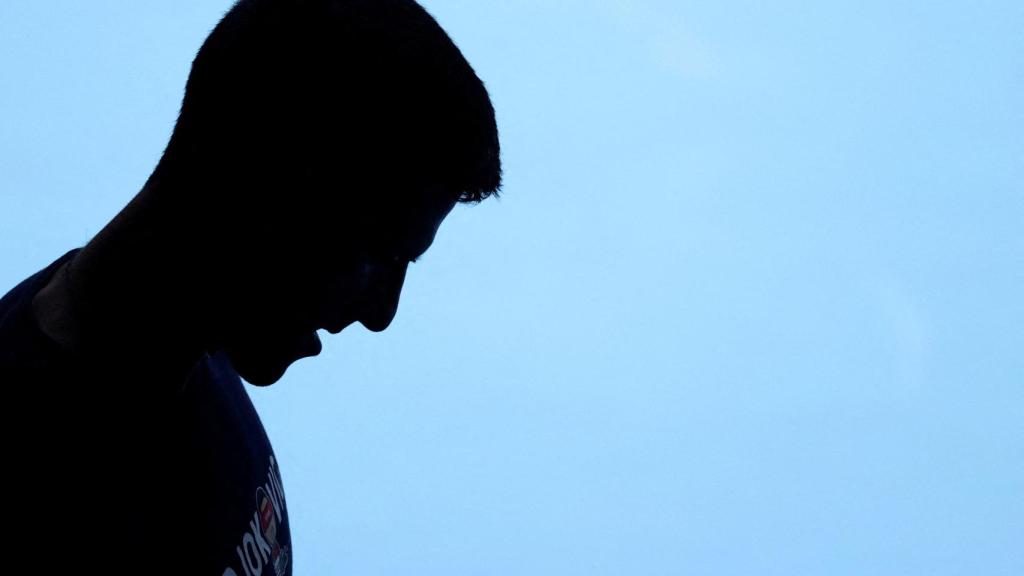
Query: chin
(258,371)
(262,367)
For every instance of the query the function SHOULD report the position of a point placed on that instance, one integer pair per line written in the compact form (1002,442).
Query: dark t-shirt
(104,472)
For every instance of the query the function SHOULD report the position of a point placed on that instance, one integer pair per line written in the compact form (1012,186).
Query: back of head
(297,105)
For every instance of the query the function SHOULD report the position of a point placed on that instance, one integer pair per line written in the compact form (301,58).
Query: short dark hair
(367,89)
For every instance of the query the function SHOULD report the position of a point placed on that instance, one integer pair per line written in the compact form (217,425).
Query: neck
(129,297)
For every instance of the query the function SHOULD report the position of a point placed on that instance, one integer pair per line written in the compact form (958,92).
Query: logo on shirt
(260,552)
(269,520)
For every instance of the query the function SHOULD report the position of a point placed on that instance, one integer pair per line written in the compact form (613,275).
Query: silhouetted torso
(109,469)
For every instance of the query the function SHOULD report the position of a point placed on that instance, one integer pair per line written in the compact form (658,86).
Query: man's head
(320,144)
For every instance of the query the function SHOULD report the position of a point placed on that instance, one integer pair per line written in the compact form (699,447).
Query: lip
(309,345)
(336,328)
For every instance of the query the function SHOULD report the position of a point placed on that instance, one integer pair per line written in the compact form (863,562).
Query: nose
(382,299)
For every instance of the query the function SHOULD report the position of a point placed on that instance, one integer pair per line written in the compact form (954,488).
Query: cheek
(341,291)
(268,303)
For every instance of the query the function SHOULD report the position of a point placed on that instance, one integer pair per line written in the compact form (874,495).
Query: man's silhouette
(319,146)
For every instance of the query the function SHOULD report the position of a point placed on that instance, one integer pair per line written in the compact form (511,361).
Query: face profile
(276,321)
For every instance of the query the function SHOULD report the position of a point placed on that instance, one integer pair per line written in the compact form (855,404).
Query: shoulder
(21,337)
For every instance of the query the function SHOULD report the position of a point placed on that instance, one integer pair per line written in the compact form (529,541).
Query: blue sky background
(750,303)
